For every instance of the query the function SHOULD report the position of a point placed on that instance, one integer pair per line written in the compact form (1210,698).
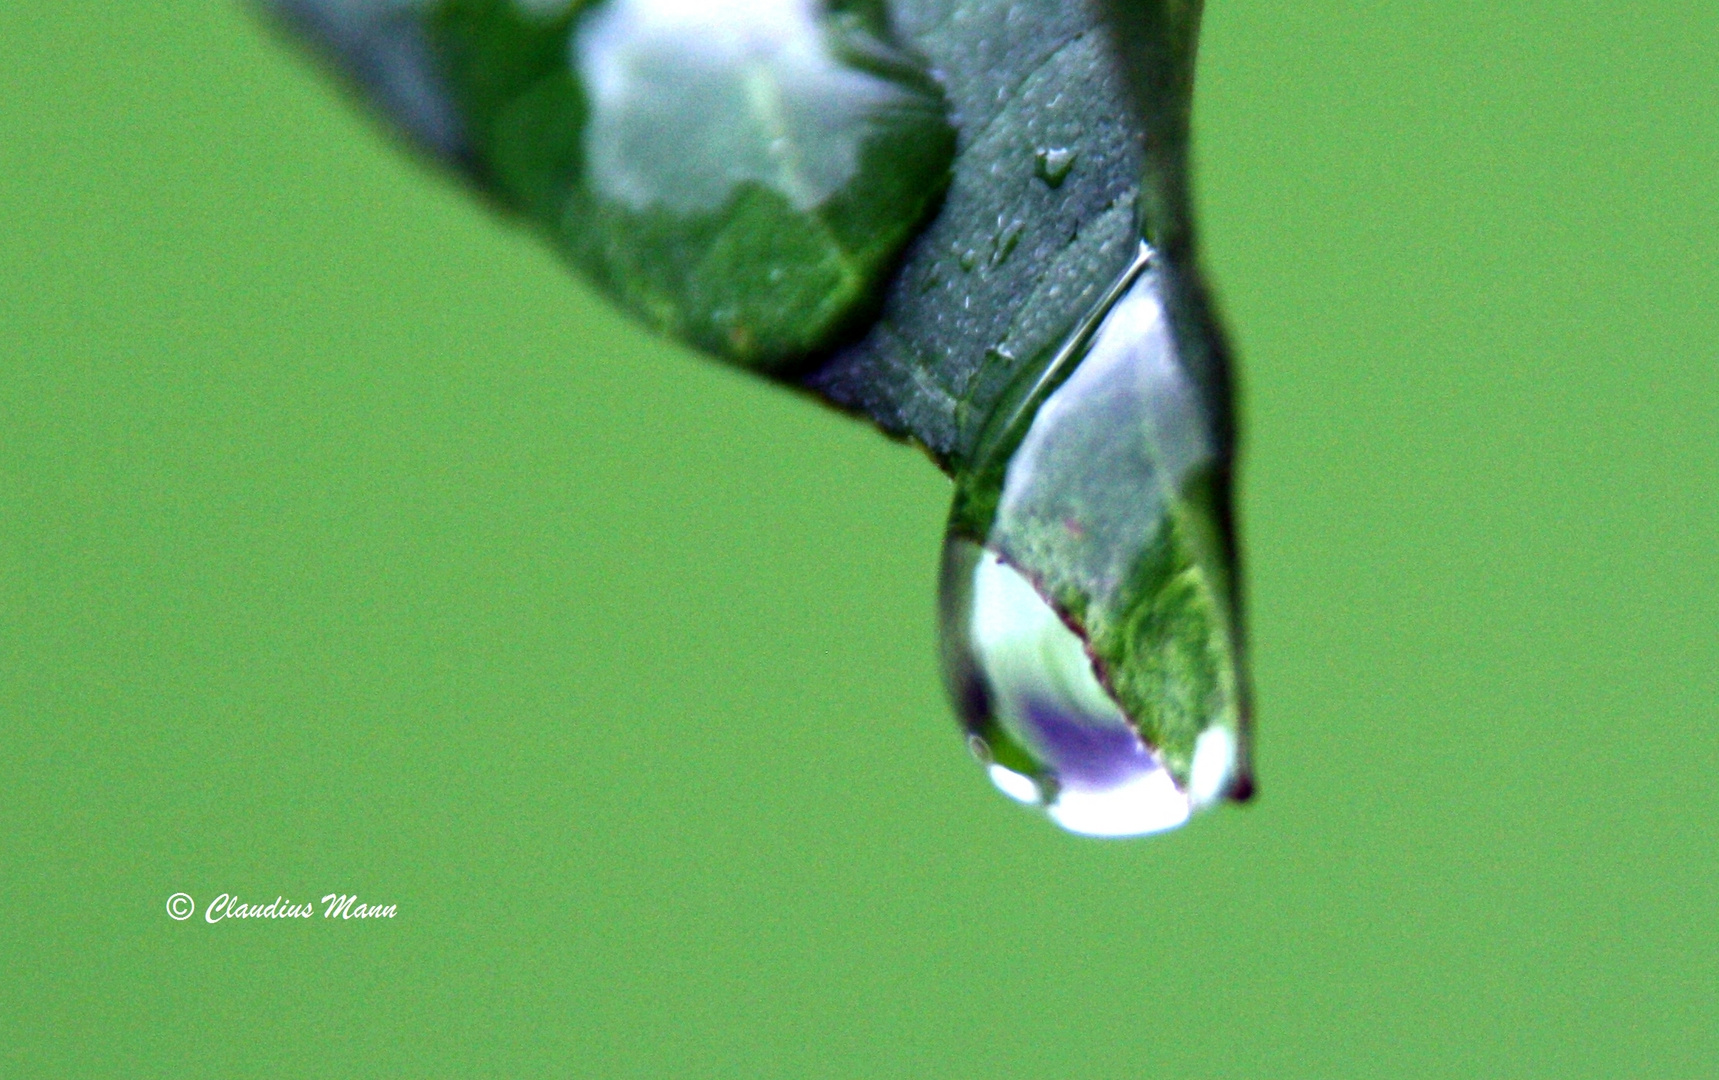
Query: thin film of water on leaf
(1088,509)
(740,174)
(749,169)
(774,104)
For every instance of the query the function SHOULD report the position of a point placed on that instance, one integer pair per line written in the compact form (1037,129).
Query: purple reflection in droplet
(1085,755)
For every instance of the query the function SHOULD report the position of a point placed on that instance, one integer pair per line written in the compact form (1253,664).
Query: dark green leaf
(741,176)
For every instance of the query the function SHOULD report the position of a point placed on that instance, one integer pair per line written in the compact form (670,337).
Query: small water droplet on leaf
(1007,240)
(1053,164)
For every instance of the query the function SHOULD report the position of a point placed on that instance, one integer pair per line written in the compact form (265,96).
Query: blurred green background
(346,544)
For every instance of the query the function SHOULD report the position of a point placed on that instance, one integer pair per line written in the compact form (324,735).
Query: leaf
(742,176)
(1011,261)
(930,213)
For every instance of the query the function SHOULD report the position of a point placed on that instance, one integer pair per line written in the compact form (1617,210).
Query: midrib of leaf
(763,95)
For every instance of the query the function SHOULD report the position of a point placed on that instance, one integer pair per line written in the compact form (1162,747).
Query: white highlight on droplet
(691,98)
(1150,802)
(1214,763)
(1014,785)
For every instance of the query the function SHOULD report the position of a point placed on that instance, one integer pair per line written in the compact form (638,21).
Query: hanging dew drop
(1087,507)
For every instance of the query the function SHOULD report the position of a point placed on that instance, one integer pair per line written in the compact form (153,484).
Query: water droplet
(1007,240)
(1086,507)
(1052,735)
(1053,164)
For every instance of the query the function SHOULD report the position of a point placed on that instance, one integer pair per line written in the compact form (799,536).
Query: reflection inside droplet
(1086,627)
(1080,759)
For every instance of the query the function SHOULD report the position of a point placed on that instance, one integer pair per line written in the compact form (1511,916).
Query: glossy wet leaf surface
(741,175)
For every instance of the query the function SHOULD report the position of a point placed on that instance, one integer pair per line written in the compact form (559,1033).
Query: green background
(347,544)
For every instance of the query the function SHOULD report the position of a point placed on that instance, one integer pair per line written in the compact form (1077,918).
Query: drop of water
(1051,734)
(1052,164)
(743,174)
(1007,240)
(1086,507)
